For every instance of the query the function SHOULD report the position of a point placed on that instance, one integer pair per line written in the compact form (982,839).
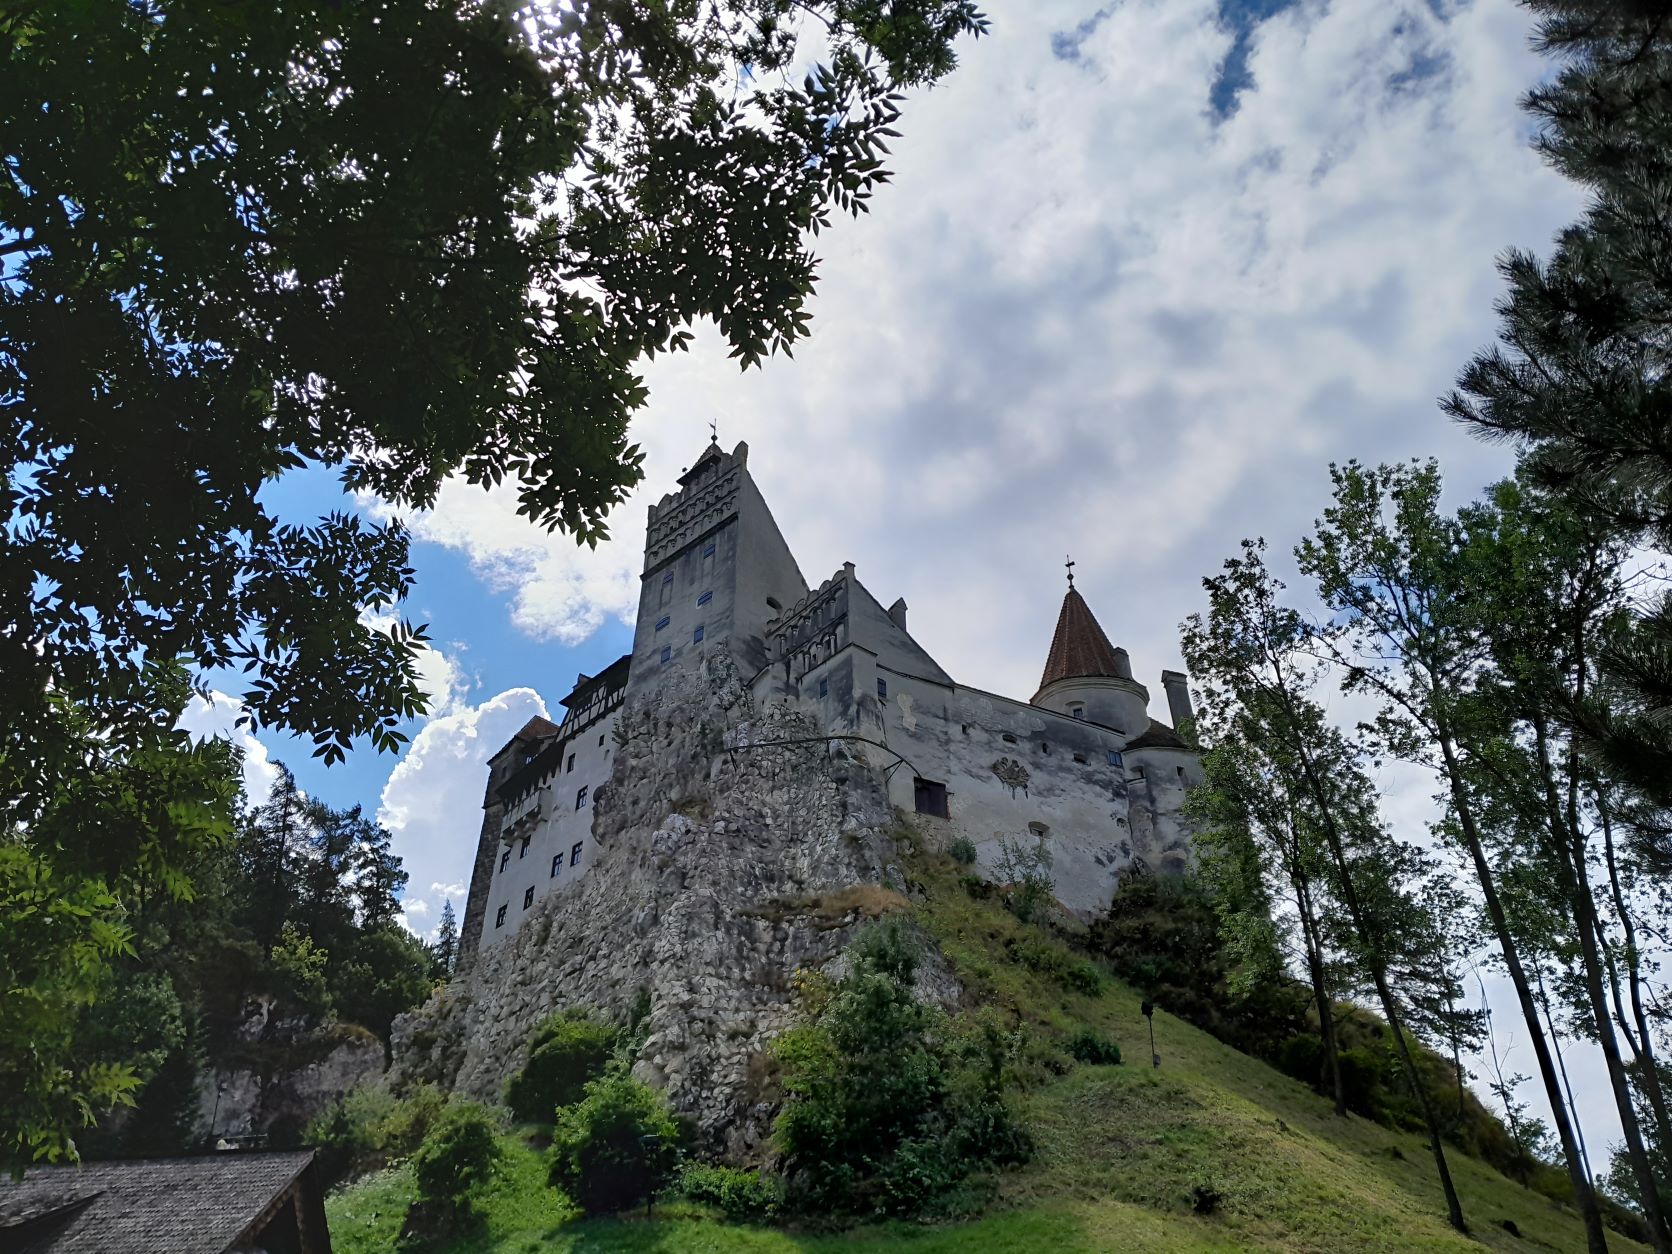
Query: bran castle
(1081,770)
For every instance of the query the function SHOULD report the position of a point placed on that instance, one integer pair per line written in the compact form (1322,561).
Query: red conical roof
(1080,648)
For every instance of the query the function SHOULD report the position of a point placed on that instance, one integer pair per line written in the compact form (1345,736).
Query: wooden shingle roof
(1079,647)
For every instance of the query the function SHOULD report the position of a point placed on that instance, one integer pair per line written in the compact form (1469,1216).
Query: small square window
(557,865)
(575,854)
(930,797)
(1078,711)
(571,765)
(667,653)
(705,598)
(528,897)
(1008,738)
(696,636)
(580,800)
(882,688)
(708,549)
(600,739)
(1080,758)
(499,917)
(668,578)
(523,852)
(662,622)
(505,858)
(1115,759)
(824,687)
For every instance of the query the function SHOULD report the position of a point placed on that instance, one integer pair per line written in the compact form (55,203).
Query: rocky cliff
(735,846)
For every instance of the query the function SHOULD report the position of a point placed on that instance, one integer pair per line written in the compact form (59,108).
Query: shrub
(404,1128)
(1075,974)
(1026,869)
(963,851)
(743,1196)
(1093,1048)
(616,1147)
(566,1050)
(457,1159)
(888,1107)
(348,1134)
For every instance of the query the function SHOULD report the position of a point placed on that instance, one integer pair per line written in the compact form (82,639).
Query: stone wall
(726,860)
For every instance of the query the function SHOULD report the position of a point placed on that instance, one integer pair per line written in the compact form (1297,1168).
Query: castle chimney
(897,612)
(1178,697)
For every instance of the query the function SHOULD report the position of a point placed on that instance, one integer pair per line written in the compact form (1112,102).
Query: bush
(743,1196)
(1093,1048)
(404,1128)
(566,1050)
(457,1159)
(616,1147)
(1026,869)
(1074,974)
(889,1107)
(348,1135)
(963,851)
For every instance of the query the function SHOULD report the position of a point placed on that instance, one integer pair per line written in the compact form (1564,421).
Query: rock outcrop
(735,846)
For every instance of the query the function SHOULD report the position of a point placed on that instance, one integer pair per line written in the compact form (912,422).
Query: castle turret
(1086,676)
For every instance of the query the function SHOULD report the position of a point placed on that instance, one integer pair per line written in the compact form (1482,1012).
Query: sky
(1144,270)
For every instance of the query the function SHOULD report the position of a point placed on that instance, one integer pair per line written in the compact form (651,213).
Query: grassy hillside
(1121,1152)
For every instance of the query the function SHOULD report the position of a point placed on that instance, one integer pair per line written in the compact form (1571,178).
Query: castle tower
(1088,678)
(716,570)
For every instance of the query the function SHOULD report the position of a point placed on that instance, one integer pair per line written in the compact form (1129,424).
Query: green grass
(1120,1150)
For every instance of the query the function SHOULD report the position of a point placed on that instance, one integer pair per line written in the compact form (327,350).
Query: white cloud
(218,717)
(432,803)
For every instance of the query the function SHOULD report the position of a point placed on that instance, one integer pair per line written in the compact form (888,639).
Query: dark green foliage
(566,1050)
(1057,963)
(1090,1046)
(1025,871)
(742,1196)
(444,953)
(615,1147)
(457,1158)
(962,851)
(368,1127)
(889,1108)
(1161,934)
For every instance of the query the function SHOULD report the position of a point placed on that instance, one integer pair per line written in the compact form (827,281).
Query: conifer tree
(1579,379)
(446,947)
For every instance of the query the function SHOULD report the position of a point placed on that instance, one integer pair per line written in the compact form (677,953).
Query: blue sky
(1144,270)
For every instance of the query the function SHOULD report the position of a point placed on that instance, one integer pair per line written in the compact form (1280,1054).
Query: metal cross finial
(1070,565)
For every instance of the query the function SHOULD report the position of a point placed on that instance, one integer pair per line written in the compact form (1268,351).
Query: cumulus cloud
(432,803)
(218,718)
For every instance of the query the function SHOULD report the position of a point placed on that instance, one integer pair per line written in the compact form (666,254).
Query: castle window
(930,797)
(1078,711)
(570,768)
(528,897)
(705,598)
(696,636)
(824,687)
(667,653)
(1043,747)
(523,852)
(499,917)
(557,865)
(575,854)
(662,622)
(882,688)
(505,858)
(600,738)
(708,549)
(580,799)
(1037,830)
(1115,759)
(1080,758)
(1181,774)
(1008,738)
(667,588)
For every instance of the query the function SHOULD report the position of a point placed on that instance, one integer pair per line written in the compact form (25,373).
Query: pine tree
(1580,379)
(445,950)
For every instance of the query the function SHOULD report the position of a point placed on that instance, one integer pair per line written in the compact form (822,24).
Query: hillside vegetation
(1128,1157)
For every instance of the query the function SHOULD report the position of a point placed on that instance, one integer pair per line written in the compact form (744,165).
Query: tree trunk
(1320,988)
(1585,1198)
(1561,1066)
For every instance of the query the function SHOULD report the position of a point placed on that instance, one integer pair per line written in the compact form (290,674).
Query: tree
(615,1147)
(1579,381)
(445,951)
(1419,629)
(1254,658)
(401,240)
